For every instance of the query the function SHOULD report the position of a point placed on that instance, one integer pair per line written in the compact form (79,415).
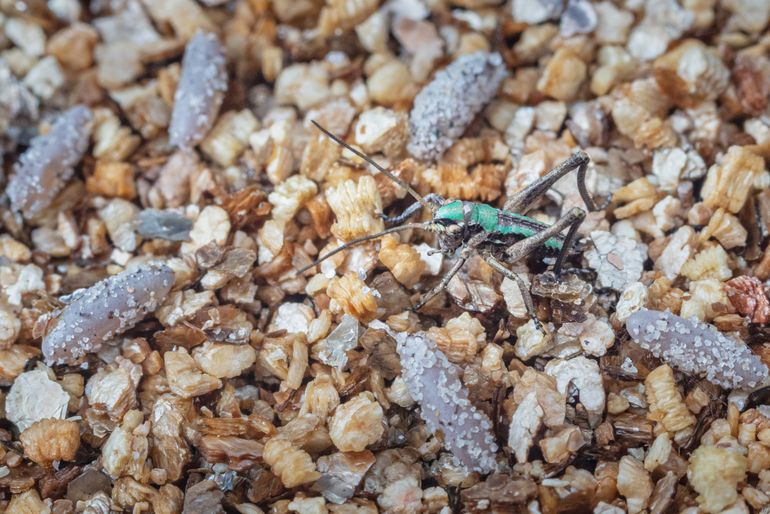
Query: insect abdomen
(513,224)
(505,225)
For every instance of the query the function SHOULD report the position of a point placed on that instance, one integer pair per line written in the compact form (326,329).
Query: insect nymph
(499,235)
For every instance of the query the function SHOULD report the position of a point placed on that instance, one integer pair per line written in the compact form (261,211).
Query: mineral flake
(17,102)
(105,310)
(618,260)
(22,405)
(578,18)
(536,11)
(341,473)
(167,225)
(49,162)
(697,348)
(333,349)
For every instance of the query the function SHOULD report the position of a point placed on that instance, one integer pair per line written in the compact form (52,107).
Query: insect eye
(454,229)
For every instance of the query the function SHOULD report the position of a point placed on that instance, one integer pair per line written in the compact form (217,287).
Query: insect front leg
(523,288)
(441,285)
(465,254)
(523,200)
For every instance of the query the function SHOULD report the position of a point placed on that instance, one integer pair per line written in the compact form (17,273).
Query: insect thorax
(450,212)
(467,213)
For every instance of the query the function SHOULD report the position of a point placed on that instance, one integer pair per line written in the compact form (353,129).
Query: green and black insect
(499,235)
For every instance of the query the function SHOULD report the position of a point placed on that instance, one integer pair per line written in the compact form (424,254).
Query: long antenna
(353,242)
(368,159)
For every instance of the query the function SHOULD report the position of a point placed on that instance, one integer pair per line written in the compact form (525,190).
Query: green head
(449,224)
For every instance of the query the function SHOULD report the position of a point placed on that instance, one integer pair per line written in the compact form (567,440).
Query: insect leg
(424,226)
(465,254)
(524,199)
(587,198)
(441,285)
(569,241)
(433,198)
(526,246)
(525,294)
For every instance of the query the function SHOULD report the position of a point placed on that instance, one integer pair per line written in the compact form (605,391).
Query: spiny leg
(524,199)
(522,248)
(353,242)
(525,294)
(432,198)
(569,242)
(441,285)
(465,254)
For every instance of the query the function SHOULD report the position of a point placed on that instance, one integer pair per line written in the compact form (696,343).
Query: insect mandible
(499,236)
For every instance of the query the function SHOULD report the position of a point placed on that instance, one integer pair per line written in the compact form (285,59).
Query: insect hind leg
(569,240)
(523,200)
(572,219)
(521,249)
